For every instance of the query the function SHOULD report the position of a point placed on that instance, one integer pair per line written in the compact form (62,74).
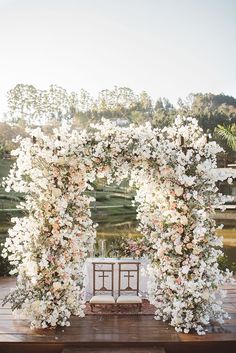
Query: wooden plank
(129,333)
(114,350)
(30,348)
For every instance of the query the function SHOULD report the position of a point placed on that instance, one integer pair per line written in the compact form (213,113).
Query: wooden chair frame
(103,288)
(128,288)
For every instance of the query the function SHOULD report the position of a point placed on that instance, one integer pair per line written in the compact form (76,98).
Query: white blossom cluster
(176,197)
(176,204)
(49,245)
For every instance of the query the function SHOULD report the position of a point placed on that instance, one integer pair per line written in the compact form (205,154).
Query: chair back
(128,277)
(103,277)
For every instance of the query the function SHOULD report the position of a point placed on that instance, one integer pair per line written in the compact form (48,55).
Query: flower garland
(176,207)
(176,196)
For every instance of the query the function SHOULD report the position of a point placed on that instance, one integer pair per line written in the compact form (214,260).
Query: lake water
(229,236)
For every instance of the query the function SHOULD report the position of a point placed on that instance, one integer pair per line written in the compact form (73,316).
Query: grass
(5,165)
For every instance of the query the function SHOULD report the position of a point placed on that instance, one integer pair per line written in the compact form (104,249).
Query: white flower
(184,220)
(56,192)
(61,161)
(56,285)
(185,269)
(178,191)
(206,295)
(178,249)
(31,268)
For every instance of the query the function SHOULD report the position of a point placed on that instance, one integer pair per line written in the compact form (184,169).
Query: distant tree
(22,102)
(85,102)
(36,106)
(116,104)
(29,105)
(164,113)
(138,117)
(143,110)
(209,109)
(58,104)
(145,103)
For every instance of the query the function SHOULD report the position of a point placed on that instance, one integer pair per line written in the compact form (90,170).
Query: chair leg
(92,307)
(140,307)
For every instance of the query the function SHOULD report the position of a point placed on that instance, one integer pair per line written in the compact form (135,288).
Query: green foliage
(209,109)
(5,165)
(227,133)
(4,263)
(224,264)
(164,113)
(2,151)
(119,247)
(8,133)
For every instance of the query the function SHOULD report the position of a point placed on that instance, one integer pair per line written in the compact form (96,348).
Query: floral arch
(174,171)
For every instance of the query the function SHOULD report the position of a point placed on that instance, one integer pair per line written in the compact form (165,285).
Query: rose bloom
(180,229)
(56,226)
(160,252)
(178,280)
(189,245)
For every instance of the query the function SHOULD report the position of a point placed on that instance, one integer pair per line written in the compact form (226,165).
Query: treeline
(29,106)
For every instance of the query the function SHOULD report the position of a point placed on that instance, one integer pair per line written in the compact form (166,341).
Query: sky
(168,48)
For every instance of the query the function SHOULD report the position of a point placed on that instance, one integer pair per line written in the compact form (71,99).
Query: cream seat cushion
(129,299)
(102,299)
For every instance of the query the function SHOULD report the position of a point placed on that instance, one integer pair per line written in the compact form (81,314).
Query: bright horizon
(168,48)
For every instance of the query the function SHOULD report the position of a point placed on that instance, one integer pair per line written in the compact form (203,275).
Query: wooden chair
(103,272)
(129,271)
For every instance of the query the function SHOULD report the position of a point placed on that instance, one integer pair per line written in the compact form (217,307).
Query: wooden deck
(113,334)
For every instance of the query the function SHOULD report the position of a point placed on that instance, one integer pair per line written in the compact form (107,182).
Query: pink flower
(178,280)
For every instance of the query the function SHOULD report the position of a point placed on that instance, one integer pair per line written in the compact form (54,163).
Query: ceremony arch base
(174,172)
